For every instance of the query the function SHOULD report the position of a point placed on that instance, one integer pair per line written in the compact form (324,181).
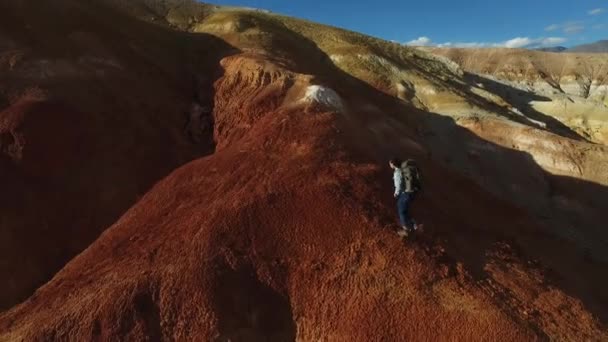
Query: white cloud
(525,42)
(518,42)
(573,27)
(552,41)
(420,41)
(599,26)
(596,11)
(462,44)
(553,27)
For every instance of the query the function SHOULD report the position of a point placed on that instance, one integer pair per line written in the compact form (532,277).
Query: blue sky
(511,23)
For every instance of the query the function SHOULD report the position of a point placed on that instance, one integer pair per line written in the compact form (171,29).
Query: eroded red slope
(282,234)
(94,109)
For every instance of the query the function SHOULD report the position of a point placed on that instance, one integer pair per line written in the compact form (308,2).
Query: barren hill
(572,87)
(234,163)
(597,47)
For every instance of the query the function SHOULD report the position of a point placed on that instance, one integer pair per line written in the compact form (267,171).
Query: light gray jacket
(398,180)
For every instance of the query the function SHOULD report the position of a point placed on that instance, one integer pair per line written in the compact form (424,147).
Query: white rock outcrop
(324,96)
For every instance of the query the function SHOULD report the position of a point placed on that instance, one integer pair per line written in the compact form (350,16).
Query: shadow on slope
(102,138)
(250,310)
(517,99)
(521,100)
(515,179)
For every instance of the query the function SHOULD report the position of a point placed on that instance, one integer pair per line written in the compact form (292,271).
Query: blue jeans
(403,203)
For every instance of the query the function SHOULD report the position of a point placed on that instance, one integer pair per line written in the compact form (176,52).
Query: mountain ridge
(600,46)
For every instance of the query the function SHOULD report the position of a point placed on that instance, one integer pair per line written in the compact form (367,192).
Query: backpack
(411,177)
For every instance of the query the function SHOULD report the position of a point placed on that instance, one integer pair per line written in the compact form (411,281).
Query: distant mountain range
(553,49)
(600,46)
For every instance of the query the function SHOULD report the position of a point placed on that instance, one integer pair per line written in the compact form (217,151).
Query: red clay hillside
(181,171)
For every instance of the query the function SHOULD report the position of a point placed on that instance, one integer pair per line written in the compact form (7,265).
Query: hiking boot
(403,232)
